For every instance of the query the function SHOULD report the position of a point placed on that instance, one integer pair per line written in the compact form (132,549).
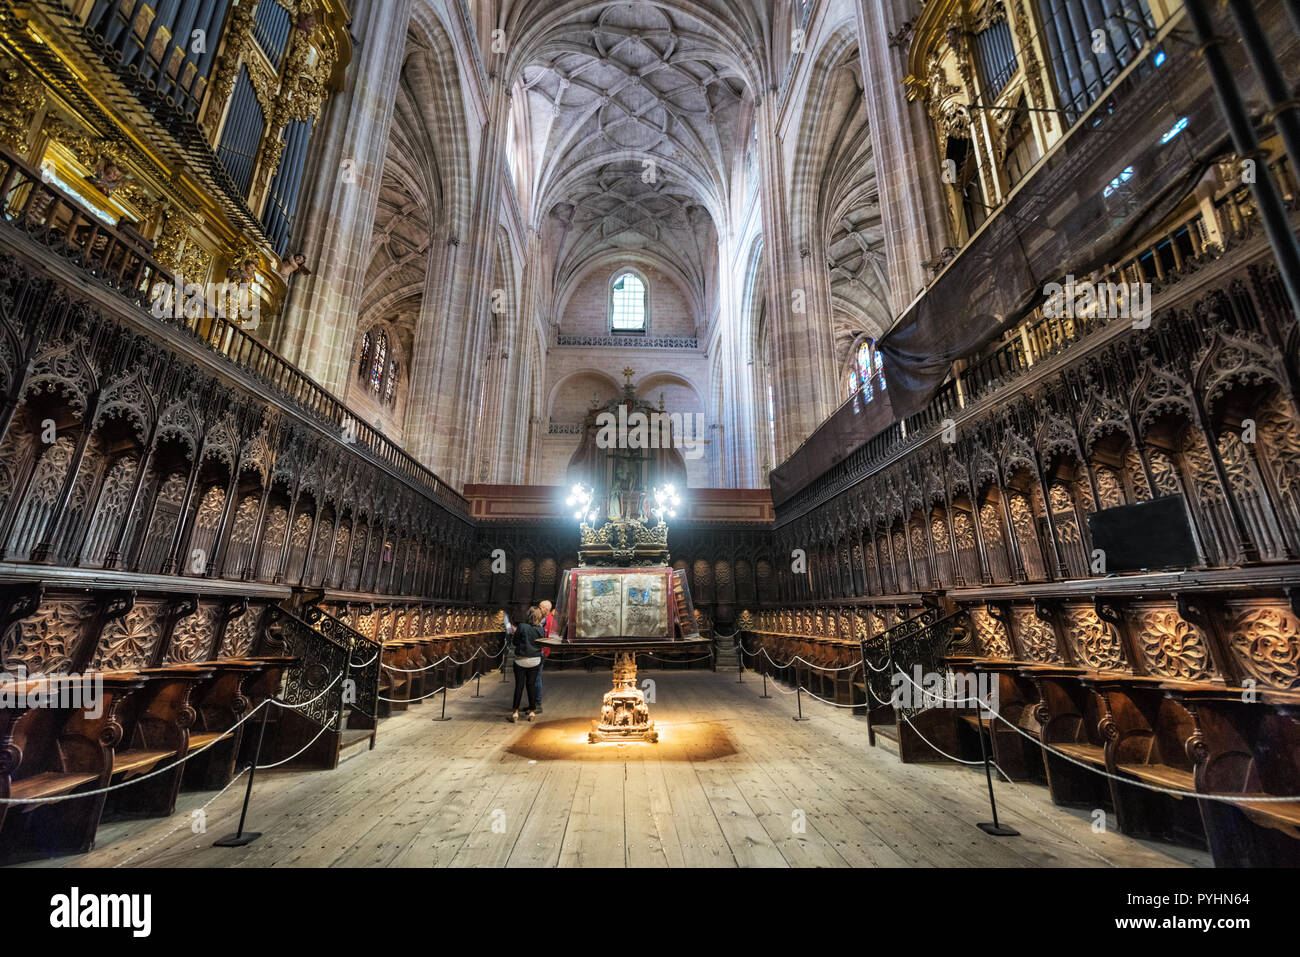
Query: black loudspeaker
(1145,536)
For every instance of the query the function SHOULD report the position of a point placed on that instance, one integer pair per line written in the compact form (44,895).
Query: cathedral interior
(927,371)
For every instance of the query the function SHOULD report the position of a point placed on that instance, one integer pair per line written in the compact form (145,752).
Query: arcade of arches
(817,240)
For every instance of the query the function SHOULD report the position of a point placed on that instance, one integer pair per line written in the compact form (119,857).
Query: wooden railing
(1175,253)
(125,264)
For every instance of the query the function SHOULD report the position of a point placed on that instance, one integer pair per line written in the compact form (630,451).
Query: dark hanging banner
(1153,136)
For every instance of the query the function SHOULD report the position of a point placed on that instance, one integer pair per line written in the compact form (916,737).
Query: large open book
(622,605)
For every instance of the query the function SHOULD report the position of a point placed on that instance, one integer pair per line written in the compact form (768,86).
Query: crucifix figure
(626,497)
(628,372)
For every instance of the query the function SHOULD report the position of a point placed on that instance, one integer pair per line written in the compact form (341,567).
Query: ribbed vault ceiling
(635,123)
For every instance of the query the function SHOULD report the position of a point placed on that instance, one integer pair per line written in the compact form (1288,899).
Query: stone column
(454,328)
(802,354)
(907,168)
(740,414)
(340,201)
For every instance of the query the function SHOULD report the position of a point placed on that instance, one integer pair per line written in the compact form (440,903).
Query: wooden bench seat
(1279,815)
(1017,754)
(155,730)
(1082,751)
(1247,743)
(48,784)
(235,687)
(60,750)
(127,762)
(1162,775)
(202,739)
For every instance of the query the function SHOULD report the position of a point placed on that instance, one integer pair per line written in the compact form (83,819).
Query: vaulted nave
(583,434)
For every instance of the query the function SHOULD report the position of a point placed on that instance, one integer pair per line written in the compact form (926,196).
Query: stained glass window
(390,390)
(627,306)
(364,365)
(379,363)
(867,371)
(378,367)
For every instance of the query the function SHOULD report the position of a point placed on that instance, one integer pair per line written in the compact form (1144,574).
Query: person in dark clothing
(528,658)
(548,622)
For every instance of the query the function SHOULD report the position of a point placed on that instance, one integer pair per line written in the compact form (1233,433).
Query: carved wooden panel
(192,636)
(991,635)
(46,642)
(128,643)
(241,633)
(1171,646)
(1265,638)
(1093,642)
(1036,637)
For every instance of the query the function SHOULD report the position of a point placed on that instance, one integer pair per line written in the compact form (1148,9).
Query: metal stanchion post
(443,716)
(478,685)
(798,693)
(994,828)
(765,694)
(239,838)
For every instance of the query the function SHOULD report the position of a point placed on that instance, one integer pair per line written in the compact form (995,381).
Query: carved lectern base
(624,715)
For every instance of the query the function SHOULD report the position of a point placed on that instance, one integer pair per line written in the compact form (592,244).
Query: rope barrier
(816,667)
(412,700)
(188,756)
(181,823)
(428,667)
(1135,782)
(299,753)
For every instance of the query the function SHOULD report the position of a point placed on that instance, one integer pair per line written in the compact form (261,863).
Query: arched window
(379,363)
(866,371)
(627,304)
(378,367)
(364,364)
(390,390)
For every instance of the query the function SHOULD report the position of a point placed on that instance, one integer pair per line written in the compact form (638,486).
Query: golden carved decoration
(22,96)
(1033,71)
(238,38)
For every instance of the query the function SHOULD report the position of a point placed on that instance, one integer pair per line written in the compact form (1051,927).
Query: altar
(624,598)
